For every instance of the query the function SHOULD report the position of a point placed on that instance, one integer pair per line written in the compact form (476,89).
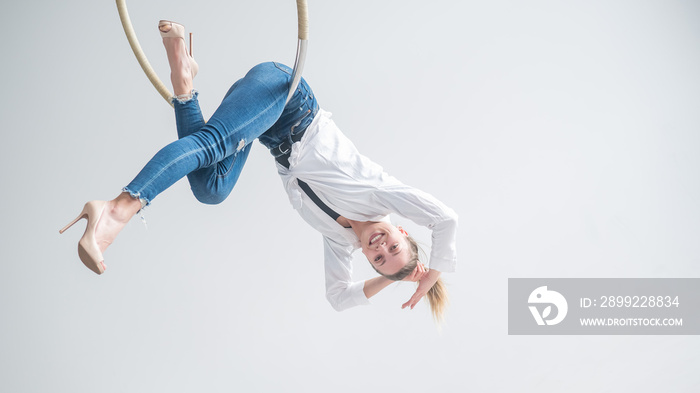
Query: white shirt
(360,190)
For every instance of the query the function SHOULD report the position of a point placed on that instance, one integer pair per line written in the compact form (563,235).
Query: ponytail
(438,298)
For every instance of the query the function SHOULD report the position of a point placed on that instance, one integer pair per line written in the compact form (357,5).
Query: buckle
(285,151)
(282,149)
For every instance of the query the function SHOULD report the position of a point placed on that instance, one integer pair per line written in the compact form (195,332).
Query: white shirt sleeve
(341,292)
(426,210)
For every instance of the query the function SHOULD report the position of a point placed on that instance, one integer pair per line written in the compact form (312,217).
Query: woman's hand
(426,282)
(418,273)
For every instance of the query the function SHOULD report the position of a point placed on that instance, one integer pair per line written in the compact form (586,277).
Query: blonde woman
(338,191)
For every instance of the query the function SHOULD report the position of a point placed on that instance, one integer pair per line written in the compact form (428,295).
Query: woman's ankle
(182,81)
(124,206)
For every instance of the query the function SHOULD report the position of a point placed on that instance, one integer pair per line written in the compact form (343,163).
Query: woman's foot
(115,216)
(183,68)
(105,219)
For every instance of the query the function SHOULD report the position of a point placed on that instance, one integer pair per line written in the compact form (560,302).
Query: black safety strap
(283,158)
(317,200)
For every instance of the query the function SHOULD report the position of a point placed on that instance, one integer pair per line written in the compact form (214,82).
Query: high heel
(178,31)
(88,250)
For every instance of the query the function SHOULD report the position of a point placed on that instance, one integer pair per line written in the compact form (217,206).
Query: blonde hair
(438,298)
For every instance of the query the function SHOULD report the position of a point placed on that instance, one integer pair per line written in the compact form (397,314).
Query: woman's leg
(212,184)
(206,183)
(246,112)
(119,210)
(252,107)
(189,119)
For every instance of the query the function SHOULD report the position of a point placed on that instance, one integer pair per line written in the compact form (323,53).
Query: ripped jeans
(212,154)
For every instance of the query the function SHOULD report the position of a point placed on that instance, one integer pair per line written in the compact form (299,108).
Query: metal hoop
(303,34)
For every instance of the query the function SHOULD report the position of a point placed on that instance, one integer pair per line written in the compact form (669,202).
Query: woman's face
(385,247)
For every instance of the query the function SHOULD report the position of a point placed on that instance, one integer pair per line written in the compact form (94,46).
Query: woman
(341,193)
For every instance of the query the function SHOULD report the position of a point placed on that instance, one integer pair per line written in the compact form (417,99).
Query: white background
(565,134)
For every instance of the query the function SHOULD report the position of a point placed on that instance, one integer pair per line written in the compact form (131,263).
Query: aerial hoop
(303,35)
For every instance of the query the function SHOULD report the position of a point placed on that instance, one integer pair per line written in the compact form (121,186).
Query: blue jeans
(212,154)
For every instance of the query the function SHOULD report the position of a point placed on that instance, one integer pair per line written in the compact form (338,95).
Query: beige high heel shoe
(88,250)
(178,30)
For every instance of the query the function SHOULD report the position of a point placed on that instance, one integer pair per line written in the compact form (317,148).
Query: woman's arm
(374,285)
(426,210)
(341,292)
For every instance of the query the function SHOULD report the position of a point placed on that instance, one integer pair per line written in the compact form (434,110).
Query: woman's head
(394,254)
(389,250)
